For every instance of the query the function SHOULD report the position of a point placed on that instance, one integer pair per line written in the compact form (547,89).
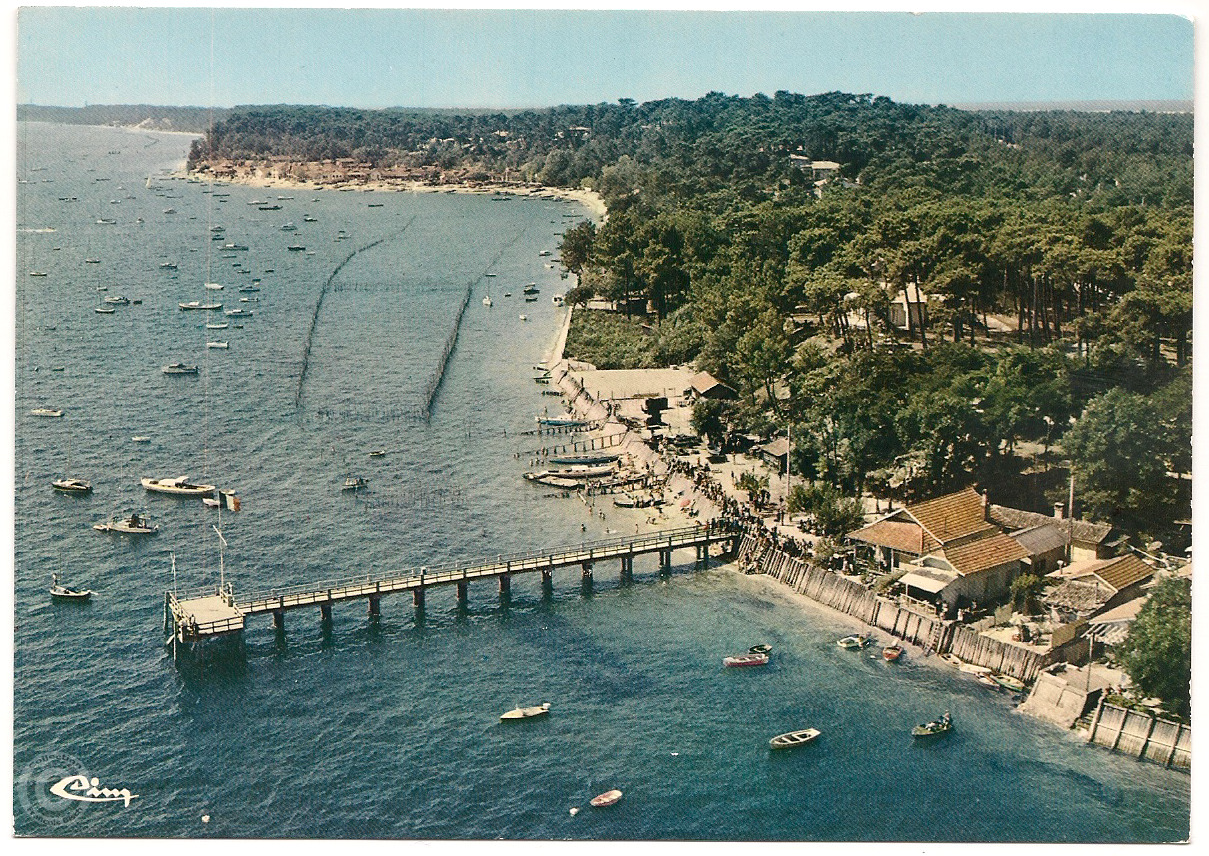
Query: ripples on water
(390,729)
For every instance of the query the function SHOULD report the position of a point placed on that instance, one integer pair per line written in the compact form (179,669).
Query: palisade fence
(1142,735)
(929,632)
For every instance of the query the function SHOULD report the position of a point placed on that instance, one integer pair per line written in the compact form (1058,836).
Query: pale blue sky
(426,58)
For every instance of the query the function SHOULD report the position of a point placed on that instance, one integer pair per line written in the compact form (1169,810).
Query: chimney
(986,506)
(1059,510)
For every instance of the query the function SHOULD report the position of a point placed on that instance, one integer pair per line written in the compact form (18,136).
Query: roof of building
(704,382)
(932,580)
(982,554)
(901,535)
(947,518)
(1123,571)
(910,293)
(824,165)
(1041,539)
(776,447)
(1083,531)
(1079,595)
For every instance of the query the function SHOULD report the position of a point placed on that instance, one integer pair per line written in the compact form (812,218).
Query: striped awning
(919,581)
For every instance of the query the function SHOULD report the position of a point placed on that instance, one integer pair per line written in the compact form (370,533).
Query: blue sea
(390,729)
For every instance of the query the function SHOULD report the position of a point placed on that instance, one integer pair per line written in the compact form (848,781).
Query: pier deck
(211,613)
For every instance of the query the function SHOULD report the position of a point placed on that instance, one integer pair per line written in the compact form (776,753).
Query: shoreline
(590,199)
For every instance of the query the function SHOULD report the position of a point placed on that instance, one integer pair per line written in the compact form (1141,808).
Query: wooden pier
(213,614)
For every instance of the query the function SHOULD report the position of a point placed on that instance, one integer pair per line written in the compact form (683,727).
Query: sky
(374,58)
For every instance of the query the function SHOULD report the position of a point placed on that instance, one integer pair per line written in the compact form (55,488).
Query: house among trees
(775,453)
(909,308)
(1084,539)
(705,385)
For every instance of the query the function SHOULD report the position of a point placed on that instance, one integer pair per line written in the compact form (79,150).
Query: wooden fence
(1142,735)
(852,598)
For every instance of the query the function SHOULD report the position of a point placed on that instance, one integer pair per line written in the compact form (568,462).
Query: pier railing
(383,582)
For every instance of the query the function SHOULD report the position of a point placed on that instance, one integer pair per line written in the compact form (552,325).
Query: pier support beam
(375,605)
(505,587)
(417,597)
(587,574)
(325,612)
(665,561)
(702,555)
(463,592)
(627,569)
(279,619)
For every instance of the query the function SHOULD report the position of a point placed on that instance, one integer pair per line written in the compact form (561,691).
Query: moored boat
(1008,682)
(180,368)
(760,649)
(58,591)
(892,652)
(791,739)
(72,485)
(935,728)
(748,659)
(197,305)
(219,345)
(584,460)
(607,798)
(179,486)
(133,524)
(46,412)
(354,483)
(854,641)
(526,712)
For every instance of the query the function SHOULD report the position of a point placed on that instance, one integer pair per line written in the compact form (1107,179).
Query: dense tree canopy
(1157,654)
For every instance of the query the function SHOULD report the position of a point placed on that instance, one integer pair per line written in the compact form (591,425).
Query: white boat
(237,312)
(62,592)
(117,300)
(487,300)
(524,317)
(180,368)
(214,286)
(45,411)
(790,739)
(198,305)
(217,345)
(526,712)
(72,485)
(133,524)
(606,799)
(179,486)
(222,325)
(140,439)
(104,310)
(354,483)
(225,497)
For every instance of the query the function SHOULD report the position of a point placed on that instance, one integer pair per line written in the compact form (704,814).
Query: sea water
(389,728)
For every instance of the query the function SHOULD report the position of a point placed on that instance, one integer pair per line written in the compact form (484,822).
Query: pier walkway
(209,614)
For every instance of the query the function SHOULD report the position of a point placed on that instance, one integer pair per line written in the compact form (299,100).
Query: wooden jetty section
(212,614)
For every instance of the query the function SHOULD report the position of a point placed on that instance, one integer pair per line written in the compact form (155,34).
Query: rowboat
(584,460)
(46,411)
(971,669)
(354,483)
(607,798)
(748,659)
(790,739)
(760,649)
(853,641)
(526,712)
(892,652)
(935,728)
(1008,682)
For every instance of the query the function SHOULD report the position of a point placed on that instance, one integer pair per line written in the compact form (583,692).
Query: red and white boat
(892,652)
(751,658)
(607,798)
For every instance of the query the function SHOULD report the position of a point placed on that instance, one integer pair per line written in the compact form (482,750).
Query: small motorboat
(135,524)
(180,368)
(854,641)
(892,652)
(487,300)
(748,659)
(760,649)
(197,305)
(140,439)
(46,412)
(58,591)
(219,345)
(117,300)
(72,485)
(179,486)
(377,453)
(214,286)
(354,483)
(526,712)
(935,728)
(220,326)
(607,798)
(790,739)
(104,310)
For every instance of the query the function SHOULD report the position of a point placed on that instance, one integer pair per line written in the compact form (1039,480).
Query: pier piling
(325,612)
(279,619)
(375,605)
(417,597)
(463,592)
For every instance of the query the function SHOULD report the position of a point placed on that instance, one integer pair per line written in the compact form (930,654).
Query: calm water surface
(390,730)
